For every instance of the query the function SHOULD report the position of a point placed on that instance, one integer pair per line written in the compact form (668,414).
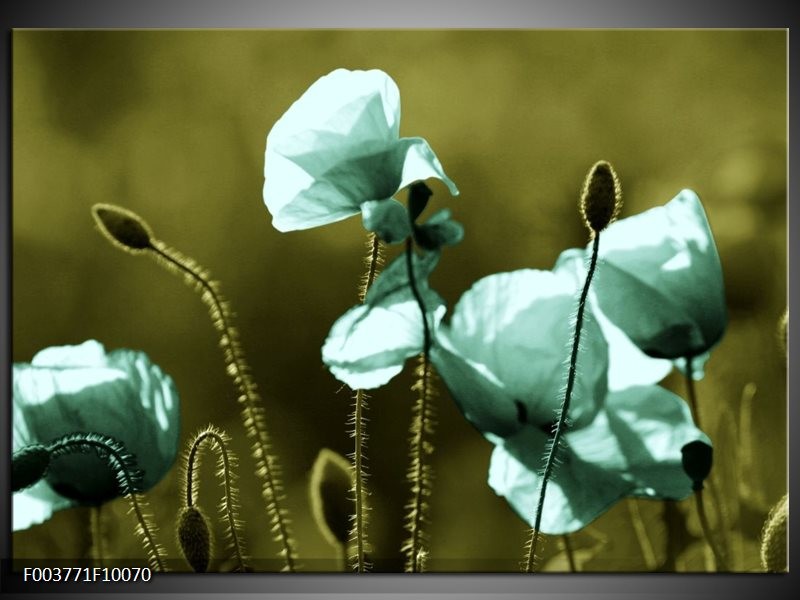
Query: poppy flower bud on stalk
(123,228)
(601,197)
(194,537)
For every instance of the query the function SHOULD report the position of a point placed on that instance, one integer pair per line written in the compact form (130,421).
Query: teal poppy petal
(337,147)
(519,327)
(662,281)
(369,344)
(388,219)
(633,448)
(481,397)
(35,505)
(122,395)
(440,230)
(628,366)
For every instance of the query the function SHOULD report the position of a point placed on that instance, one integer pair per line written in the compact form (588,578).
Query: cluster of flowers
(657,301)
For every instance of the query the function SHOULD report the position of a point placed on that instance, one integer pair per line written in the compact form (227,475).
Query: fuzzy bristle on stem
(129,479)
(267,468)
(226,472)
(561,424)
(358,533)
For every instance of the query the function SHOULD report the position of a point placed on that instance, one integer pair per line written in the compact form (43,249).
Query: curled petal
(337,147)
(633,448)
(369,344)
(661,279)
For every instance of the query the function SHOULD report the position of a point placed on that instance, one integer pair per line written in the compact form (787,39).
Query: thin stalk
(358,533)
(562,417)
(420,471)
(573,567)
(229,507)
(128,481)
(701,512)
(253,412)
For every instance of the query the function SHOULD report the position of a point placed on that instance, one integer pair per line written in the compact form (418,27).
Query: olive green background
(172,125)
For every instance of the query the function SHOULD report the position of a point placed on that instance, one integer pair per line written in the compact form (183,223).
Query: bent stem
(225,470)
(561,425)
(128,478)
(358,534)
(253,415)
(701,512)
(420,473)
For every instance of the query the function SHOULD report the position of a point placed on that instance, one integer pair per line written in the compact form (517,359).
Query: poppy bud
(194,537)
(697,458)
(601,197)
(123,227)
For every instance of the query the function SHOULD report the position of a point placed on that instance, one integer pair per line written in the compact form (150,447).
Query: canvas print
(399,301)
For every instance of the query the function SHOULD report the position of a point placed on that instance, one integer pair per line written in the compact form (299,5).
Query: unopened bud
(697,458)
(122,227)
(601,197)
(194,537)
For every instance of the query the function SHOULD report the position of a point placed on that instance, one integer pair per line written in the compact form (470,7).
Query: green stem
(252,414)
(358,532)
(562,417)
(227,484)
(701,512)
(421,426)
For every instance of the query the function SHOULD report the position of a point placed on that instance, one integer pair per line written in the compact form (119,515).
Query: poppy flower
(502,356)
(337,151)
(369,344)
(660,281)
(74,389)
(632,448)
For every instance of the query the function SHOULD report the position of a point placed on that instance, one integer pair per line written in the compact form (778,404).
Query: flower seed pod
(194,538)
(773,538)
(601,197)
(28,466)
(330,493)
(123,228)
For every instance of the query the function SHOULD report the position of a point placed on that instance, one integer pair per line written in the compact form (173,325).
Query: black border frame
(530,14)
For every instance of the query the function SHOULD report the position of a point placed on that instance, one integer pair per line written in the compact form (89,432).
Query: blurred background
(172,125)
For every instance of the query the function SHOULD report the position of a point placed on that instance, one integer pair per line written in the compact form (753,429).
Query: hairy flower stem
(358,533)
(253,412)
(122,467)
(420,470)
(229,506)
(561,425)
(701,513)
(645,544)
